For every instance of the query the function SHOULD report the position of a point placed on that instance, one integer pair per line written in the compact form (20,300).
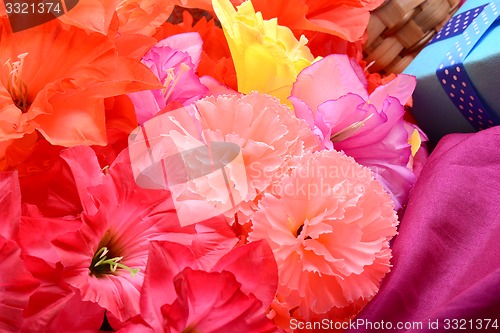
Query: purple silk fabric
(446,261)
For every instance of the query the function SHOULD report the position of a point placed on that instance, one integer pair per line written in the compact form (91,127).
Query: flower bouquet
(198,166)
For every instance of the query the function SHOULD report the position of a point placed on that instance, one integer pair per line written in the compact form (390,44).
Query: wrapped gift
(458,73)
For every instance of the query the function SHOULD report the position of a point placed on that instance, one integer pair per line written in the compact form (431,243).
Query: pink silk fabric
(446,261)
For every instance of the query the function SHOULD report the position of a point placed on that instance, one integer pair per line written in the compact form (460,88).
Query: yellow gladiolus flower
(267,57)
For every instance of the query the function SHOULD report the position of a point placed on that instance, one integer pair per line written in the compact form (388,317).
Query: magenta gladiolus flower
(331,96)
(174,61)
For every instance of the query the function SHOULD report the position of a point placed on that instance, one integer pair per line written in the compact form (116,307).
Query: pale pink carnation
(262,132)
(329,223)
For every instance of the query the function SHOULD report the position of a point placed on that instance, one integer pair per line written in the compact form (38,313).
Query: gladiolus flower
(143,17)
(331,96)
(329,223)
(267,56)
(174,61)
(63,98)
(175,297)
(215,58)
(345,19)
(102,252)
(16,283)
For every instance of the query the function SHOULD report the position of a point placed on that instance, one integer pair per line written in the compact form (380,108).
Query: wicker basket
(399,29)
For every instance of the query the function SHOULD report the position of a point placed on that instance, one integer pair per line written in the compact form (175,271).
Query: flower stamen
(172,78)
(349,130)
(100,261)
(16,86)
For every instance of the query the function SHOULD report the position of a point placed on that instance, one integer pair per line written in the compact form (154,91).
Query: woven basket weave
(399,29)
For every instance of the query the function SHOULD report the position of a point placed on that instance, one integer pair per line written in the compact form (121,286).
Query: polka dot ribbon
(467,28)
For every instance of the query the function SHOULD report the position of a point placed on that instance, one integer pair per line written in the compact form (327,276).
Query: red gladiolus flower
(175,297)
(102,251)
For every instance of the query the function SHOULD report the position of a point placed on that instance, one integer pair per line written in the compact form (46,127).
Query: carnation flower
(101,253)
(174,61)
(255,131)
(329,223)
(331,96)
(267,56)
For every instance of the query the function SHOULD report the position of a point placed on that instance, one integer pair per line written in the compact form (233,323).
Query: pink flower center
(16,87)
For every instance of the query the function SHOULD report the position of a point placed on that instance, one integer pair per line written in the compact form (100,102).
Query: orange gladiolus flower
(347,18)
(143,16)
(54,78)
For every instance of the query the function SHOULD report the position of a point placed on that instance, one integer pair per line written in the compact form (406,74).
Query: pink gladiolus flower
(331,96)
(174,61)
(101,253)
(16,283)
(184,292)
(329,223)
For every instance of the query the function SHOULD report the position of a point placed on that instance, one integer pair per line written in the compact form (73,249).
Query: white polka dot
(458,69)
(447,33)
(481,123)
(471,112)
(441,66)
(480,110)
(452,95)
(479,116)
(461,107)
(470,104)
(453,86)
(471,97)
(490,121)
(462,91)
(443,80)
(446,71)
(452,62)
(450,57)
(456,30)
(486,22)
(464,84)
(462,99)
(471,119)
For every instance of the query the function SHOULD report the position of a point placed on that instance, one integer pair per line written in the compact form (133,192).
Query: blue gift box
(458,73)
